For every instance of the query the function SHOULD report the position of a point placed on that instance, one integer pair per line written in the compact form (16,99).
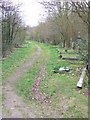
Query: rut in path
(13,106)
(36,93)
(47,110)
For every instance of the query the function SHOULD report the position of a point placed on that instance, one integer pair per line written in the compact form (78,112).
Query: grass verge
(24,85)
(16,59)
(66,99)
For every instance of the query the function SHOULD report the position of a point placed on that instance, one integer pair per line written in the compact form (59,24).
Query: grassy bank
(24,86)
(17,58)
(66,99)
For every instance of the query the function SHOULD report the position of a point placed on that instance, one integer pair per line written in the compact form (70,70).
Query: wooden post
(80,82)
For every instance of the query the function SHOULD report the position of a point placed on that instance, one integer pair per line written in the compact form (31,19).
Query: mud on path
(13,105)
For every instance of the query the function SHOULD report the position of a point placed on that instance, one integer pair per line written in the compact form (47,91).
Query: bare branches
(80,8)
(11,24)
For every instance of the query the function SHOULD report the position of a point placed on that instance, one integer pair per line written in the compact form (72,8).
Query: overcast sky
(32,11)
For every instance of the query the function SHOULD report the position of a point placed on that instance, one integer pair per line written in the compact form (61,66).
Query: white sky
(32,11)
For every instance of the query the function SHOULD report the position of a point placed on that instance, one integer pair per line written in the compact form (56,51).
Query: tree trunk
(89,43)
(64,43)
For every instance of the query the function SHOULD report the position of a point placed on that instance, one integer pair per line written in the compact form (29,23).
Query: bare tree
(64,13)
(11,23)
(66,18)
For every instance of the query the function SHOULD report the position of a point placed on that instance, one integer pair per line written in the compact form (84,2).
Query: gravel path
(13,106)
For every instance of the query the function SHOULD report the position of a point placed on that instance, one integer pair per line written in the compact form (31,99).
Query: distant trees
(11,26)
(63,23)
(66,19)
(72,17)
(46,32)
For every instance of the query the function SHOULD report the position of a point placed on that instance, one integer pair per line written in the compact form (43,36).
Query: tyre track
(13,103)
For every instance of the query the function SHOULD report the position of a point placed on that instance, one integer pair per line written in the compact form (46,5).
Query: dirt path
(45,110)
(36,93)
(13,106)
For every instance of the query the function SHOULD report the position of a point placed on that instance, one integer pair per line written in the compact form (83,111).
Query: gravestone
(78,42)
